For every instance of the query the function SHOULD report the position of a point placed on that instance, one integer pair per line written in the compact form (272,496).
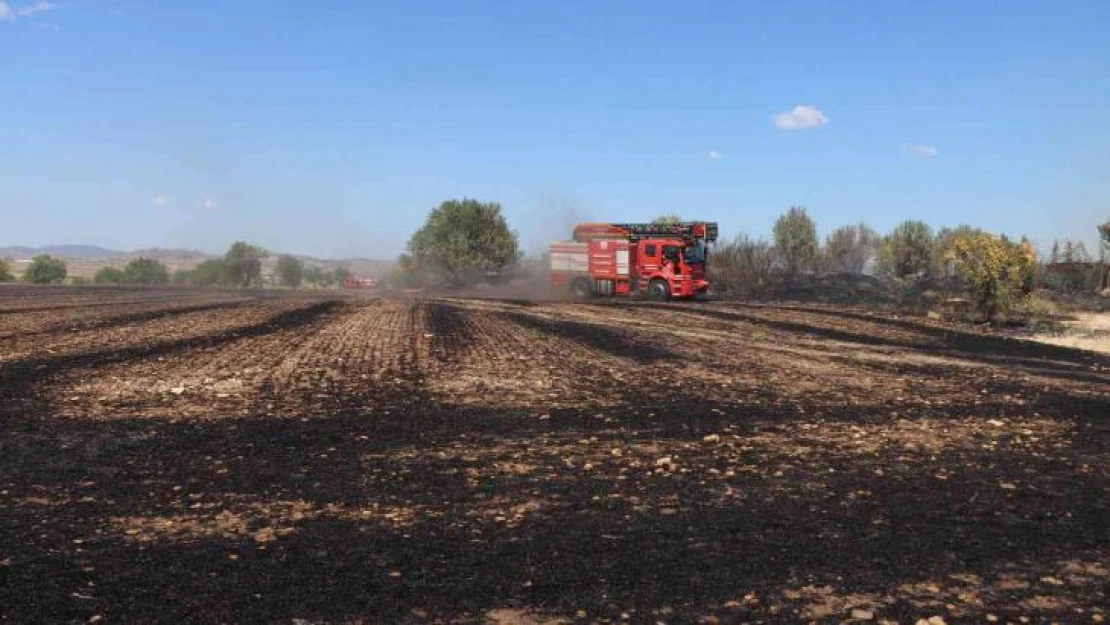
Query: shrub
(6,271)
(290,270)
(108,275)
(849,248)
(998,271)
(743,266)
(145,271)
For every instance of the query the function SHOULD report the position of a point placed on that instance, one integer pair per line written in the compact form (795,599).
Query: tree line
(239,267)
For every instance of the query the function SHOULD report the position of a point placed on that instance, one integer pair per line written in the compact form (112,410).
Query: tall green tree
(45,269)
(1104,235)
(146,271)
(243,264)
(6,271)
(463,240)
(849,248)
(290,270)
(907,250)
(796,240)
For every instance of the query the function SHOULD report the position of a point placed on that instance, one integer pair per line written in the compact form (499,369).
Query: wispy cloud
(800,117)
(11,12)
(162,200)
(713,155)
(209,205)
(922,150)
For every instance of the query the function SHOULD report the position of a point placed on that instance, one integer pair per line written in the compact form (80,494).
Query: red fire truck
(660,261)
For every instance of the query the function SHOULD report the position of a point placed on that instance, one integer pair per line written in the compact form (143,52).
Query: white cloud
(713,155)
(209,204)
(10,13)
(162,200)
(922,150)
(800,117)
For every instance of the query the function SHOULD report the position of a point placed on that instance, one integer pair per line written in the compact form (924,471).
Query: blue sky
(331,128)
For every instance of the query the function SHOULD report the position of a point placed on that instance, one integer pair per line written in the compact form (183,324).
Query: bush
(849,248)
(796,240)
(907,251)
(108,275)
(462,241)
(6,271)
(744,266)
(145,271)
(998,271)
(45,269)
(210,273)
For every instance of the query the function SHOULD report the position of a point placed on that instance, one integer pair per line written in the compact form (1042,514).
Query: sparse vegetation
(6,271)
(849,249)
(45,269)
(743,266)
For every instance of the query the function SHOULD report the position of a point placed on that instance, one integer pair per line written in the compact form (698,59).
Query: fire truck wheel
(580,288)
(658,291)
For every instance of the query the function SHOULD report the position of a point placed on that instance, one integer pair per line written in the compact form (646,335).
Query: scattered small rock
(177,390)
(862,615)
(712,438)
(665,461)
(996,423)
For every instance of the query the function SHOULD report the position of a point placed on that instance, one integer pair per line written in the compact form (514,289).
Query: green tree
(1104,235)
(340,274)
(849,248)
(243,264)
(108,275)
(908,250)
(6,271)
(667,219)
(465,239)
(210,273)
(290,270)
(45,269)
(796,240)
(146,271)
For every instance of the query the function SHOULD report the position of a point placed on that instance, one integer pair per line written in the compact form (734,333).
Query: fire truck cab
(657,261)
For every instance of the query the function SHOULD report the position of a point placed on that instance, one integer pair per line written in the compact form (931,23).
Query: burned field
(171,456)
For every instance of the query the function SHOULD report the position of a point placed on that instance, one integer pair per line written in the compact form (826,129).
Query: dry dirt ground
(220,457)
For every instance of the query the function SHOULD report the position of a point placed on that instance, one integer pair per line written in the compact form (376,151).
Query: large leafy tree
(290,270)
(45,269)
(145,271)
(464,239)
(998,271)
(796,240)
(907,250)
(243,264)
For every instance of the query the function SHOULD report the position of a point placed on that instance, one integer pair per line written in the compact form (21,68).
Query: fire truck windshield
(694,253)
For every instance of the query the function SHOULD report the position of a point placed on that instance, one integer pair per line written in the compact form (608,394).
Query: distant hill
(81,252)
